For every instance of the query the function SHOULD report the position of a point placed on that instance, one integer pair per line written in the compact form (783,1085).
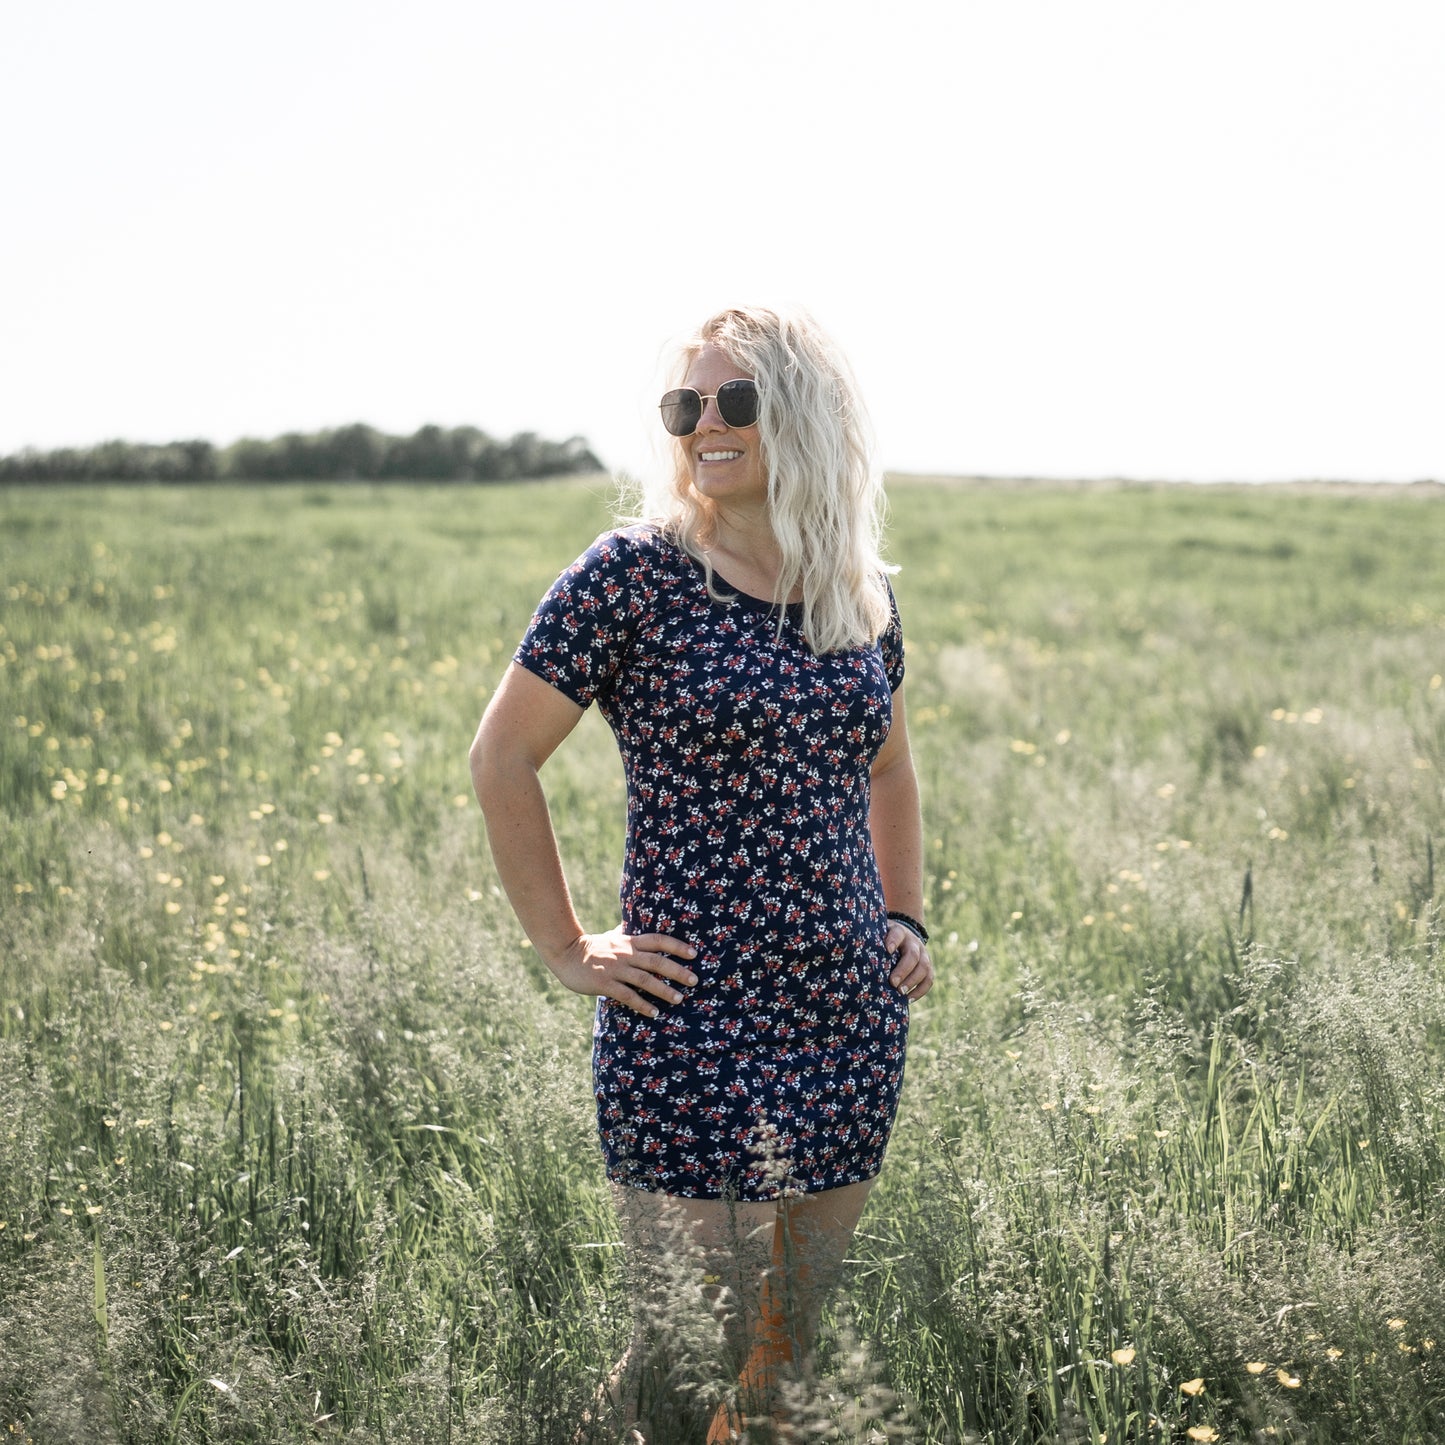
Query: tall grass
(296,1138)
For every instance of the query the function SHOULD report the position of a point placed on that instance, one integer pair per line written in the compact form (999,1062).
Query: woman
(753,1001)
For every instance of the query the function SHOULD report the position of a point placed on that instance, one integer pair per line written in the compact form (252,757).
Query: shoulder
(647,556)
(626,570)
(609,557)
(641,544)
(585,627)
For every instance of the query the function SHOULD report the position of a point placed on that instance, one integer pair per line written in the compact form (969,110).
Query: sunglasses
(737,405)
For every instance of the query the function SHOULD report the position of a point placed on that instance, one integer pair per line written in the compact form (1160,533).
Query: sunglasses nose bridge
(711,418)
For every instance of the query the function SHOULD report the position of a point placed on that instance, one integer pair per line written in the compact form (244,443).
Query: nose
(711,418)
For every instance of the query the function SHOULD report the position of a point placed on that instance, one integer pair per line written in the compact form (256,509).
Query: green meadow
(295,1135)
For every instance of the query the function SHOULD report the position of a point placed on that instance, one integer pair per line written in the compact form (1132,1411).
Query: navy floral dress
(747,760)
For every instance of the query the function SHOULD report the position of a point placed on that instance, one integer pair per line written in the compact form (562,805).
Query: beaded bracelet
(910,923)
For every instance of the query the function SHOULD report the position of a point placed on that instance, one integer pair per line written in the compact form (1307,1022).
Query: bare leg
(815,1232)
(811,1235)
(761,1273)
(698,1267)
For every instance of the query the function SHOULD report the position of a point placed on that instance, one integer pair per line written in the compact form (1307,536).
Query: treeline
(348,453)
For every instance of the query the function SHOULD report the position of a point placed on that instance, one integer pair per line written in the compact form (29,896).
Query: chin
(734,491)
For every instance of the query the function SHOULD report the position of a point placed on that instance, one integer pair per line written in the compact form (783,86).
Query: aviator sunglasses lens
(737,404)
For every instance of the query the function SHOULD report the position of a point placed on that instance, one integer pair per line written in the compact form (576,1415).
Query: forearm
(524,849)
(523,724)
(896,825)
(631,970)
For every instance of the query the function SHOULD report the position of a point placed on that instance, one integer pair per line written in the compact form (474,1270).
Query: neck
(744,533)
(744,549)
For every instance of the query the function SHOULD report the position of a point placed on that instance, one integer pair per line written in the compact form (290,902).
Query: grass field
(296,1140)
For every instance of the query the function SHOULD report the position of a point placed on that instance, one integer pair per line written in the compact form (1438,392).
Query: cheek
(686,466)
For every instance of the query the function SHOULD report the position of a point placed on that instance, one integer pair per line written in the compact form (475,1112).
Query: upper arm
(895,750)
(525,722)
(583,630)
(574,647)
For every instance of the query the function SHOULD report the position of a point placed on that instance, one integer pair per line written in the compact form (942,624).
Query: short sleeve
(581,631)
(890,643)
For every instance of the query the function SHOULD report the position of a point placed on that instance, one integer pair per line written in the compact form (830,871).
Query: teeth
(719,456)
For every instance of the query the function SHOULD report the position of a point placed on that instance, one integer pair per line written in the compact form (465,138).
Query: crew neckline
(792,609)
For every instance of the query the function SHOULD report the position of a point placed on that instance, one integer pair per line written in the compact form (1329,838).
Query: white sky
(1146,238)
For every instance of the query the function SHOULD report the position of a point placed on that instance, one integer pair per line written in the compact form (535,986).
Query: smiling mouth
(718,456)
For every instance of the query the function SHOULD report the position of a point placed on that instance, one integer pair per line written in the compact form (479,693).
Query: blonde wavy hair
(825,498)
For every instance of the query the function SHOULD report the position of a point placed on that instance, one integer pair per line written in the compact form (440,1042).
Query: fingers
(916,985)
(656,971)
(915,981)
(658,986)
(912,971)
(663,943)
(660,952)
(620,993)
(636,969)
(898,935)
(636,965)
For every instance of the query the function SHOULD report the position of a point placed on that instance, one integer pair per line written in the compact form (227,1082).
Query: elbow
(481,761)
(474,766)
(496,764)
